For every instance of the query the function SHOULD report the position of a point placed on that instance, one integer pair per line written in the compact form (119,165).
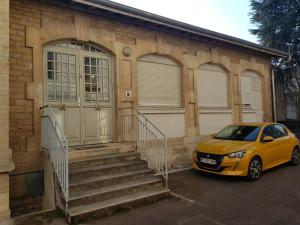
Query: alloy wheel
(295,156)
(254,169)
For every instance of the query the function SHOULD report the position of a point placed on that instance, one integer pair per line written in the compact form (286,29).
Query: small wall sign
(128,93)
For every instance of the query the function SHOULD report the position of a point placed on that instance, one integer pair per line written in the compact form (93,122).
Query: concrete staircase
(104,180)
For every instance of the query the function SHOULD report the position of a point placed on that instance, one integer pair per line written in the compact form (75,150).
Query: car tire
(254,169)
(295,158)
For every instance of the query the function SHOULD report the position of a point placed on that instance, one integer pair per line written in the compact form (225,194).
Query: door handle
(62,107)
(79,101)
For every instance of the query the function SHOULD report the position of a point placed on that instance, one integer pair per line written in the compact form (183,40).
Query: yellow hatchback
(247,149)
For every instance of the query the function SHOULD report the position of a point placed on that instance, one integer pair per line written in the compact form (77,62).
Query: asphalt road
(204,199)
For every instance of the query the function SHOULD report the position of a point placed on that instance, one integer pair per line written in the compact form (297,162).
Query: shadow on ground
(205,199)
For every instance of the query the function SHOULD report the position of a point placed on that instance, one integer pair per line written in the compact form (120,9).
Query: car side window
(275,131)
(268,131)
(280,131)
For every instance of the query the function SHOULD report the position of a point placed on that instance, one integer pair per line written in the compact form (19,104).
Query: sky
(229,17)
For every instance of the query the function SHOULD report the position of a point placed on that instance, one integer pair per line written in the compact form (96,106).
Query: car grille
(218,158)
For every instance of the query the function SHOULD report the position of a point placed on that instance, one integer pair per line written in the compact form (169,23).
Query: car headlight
(239,154)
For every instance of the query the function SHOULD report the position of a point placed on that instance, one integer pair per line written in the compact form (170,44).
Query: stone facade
(34,24)
(5,155)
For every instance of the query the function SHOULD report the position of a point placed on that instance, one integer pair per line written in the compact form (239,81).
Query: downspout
(273,95)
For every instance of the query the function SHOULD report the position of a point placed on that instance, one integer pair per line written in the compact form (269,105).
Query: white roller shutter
(158,82)
(212,86)
(251,91)
(246,91)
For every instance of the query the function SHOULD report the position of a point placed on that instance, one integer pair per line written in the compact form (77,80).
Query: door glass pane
(50,75)
(50,66)
(50,55)
(61,71)
(97,80)
(87,88)
(87,70)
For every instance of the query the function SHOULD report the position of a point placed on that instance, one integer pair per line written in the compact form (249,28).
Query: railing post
(146,136)
(166,160)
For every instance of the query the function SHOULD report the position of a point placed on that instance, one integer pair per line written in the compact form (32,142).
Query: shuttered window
(251,90)
(212,86)
(246,91)
(158,81)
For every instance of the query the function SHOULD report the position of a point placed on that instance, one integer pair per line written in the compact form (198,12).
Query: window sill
(215,110)
(161,110)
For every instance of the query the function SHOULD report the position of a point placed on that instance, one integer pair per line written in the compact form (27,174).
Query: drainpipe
(273,95)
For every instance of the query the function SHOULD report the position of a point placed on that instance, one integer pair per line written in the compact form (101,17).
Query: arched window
(212,86)
(64,60)
(158,81)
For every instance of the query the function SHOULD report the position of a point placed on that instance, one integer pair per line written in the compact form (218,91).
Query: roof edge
(160,20)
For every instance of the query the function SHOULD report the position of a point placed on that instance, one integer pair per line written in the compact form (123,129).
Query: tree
(278,26)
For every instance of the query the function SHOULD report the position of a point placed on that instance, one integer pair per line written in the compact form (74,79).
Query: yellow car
(247,149)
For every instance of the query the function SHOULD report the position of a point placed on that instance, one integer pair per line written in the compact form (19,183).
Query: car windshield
(239,133)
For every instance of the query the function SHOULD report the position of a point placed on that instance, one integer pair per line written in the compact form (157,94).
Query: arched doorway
(78,85)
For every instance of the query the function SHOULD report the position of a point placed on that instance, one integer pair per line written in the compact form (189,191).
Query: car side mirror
(267,139)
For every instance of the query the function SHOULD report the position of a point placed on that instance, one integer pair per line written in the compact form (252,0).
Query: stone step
(103,159)
(77,152)
(114,205)
(105,180)
(113,191)
(111,168)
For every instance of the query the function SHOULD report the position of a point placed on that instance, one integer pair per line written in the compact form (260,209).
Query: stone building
(93,65)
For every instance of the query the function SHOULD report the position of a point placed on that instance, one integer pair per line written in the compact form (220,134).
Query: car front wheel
(255,169)
(295,157)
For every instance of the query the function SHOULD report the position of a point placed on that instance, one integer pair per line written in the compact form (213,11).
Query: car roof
(258,124)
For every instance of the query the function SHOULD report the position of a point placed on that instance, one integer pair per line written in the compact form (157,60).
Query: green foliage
(278,26)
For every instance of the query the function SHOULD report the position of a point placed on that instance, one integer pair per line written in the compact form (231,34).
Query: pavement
(204,199)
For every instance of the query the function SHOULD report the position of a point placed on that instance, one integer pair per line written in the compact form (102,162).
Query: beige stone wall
(5,155)
(33,24)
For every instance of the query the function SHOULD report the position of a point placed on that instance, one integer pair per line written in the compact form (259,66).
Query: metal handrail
(56,144)
(148,139)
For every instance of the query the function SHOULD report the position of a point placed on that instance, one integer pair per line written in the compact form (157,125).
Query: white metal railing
(148,139)
(56,144)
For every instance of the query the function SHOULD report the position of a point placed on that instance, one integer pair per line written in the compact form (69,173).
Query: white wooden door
(61,90)
(251,90)
(78,86)
(97,100)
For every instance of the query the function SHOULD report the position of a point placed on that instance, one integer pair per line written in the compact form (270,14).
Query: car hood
(218,146)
